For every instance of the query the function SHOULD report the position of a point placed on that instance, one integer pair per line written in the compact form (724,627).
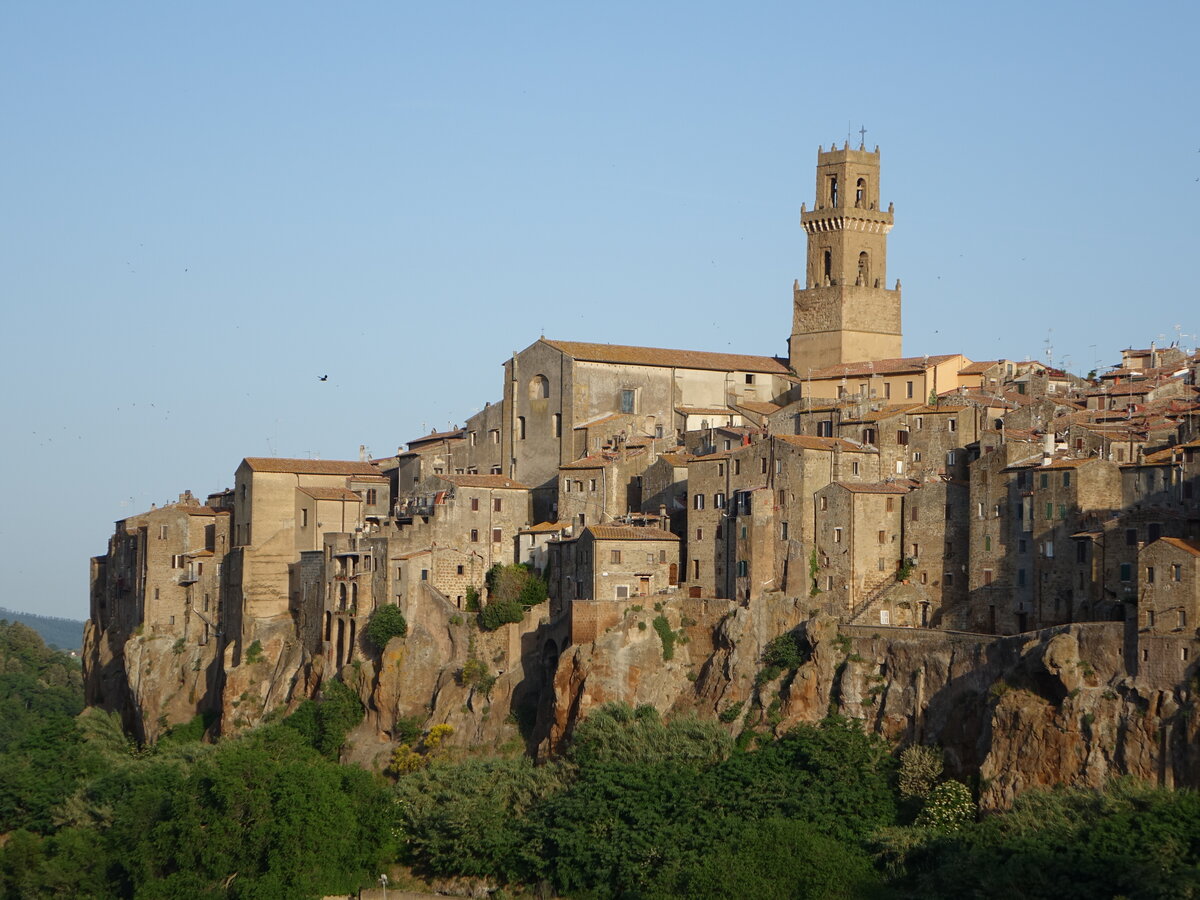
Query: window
(718,501)
(628,401)
(749,379)
(1044,479)
(1080,552)
(1149,574)
(885,617)
(539,387)
(614,556)
(474,504)
(952,424)
(916,552)
(824,504)
(1182,618)
(424,574)
(1049,510)
(891,504)
(887,390)
(649,559)
(908,389)
(783,531)
(987,576)
(917,456)
(520,428)
(458,570)
(162,532)
(496,536)
(987,542)
(902,438)
(494,434)
(556,425)
(1049,549)
(762,466)
(1176,572)
(720,470)
(698,501)
(1149,618)
(950,458)
(779,467)
(567,485)
(622,592)
(948,579)
(737,467)
(474,535)
(496,504)
(837,535)
(592,484)
(1130,536)
(695,568)
(1126,572)
(304,517)
(854,467)
(743,568)
(1066,479)
(914,513)
(699,534)
(883,537)
(829,582)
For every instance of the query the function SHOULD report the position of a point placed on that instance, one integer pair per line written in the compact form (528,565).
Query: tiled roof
(676,459)
(811,442)
(485,481)
(878,487)
(706,410)
(436,436)
(630,533)
(896,366)
(678,359)
(887,412)
(762,407)
(545,528)
(1181,544)
(202,511)
(978,368)
(309,466)
(329,493)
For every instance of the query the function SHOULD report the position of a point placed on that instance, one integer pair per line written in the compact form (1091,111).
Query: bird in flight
(323,378)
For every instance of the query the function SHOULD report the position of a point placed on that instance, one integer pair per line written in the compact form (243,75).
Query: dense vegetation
(62,634)
(636,807)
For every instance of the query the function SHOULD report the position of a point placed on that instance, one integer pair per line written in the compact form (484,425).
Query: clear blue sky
(204,207)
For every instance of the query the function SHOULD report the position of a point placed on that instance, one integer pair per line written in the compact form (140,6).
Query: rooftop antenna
(1049,347)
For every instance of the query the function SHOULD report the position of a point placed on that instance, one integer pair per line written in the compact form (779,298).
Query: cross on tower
(863,132)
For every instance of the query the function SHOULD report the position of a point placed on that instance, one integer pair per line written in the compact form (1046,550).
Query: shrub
(948,808)
(784,652)
(386,623)
(475,674)
(254,653)
(731,712)
(666,635)
(501,612)
(920,768)
(472,598)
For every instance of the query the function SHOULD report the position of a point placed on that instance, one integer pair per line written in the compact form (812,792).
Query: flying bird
(323,378)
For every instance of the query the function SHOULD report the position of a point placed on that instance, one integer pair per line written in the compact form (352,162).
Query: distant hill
(65,634)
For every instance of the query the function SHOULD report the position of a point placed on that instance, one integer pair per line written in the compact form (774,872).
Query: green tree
(387,622)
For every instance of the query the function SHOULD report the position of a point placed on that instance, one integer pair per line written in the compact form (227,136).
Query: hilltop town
(997,556)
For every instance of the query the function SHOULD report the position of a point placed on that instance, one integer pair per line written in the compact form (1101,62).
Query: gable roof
(677,359)
(811,442)
(309,466)
(484,481)
(630,533)
(895,366)
(1181,544)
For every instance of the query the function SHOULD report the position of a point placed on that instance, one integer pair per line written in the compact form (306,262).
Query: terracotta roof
(676,459)
(630,533)
(309,466)
(602,459)
(878,487)
(485,481)
(414,554)
(606,417)
(706,410)
(545,528)
(329,493)
(810,442)
(978,368)
(202,511)
(896,366)
(372,479)
(762,407)
(678,359)
(436,436)
(1181,544)
(887,412)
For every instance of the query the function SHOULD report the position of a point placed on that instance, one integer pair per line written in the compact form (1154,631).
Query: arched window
(828,266)
(539,387)
(864,268)
(860,193)
(833,190)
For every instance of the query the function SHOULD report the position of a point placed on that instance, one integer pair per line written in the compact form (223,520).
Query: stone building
(1168,608)
(601,487)
(605,569)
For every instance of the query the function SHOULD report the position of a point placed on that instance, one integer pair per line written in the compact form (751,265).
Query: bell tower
(844,312)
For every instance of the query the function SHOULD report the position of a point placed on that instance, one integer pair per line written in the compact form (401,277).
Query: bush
(784,652)
(663,627)
(501,612)
(920,768)
(254,653)
(948,808)
(386,623)
(472,598)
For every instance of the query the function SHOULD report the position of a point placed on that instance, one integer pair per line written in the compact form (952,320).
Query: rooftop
(309,466)
(485,481)
(677,359)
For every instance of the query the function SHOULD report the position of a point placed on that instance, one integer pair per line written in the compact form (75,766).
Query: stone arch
(354,596)
(539,387)
(342,596)
(328,624)
(864,268)
(860,193)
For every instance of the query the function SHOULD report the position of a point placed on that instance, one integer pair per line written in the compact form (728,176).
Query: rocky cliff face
(1059,707)
(1019,712)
